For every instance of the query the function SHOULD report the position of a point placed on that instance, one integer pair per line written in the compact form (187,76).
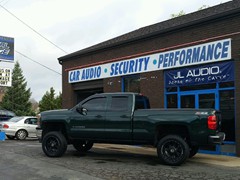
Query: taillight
(5,126)
(212,122)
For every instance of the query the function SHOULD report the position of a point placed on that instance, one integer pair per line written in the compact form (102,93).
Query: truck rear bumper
(218,138)
(39,134)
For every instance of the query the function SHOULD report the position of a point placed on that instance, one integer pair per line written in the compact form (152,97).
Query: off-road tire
(54,144)
(172,150)
(83,146)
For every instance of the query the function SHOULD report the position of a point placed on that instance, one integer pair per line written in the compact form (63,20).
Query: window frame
(119,96)
(98,97)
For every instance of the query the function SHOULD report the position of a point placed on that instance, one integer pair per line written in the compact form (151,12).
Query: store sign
(218,72)
(5,77)
(200,54)
(6,49)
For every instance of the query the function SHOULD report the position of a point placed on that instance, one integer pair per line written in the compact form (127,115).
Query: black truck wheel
(83,146)
(172,150)
(54,144)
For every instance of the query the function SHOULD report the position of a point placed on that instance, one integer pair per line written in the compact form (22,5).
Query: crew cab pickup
(125,118)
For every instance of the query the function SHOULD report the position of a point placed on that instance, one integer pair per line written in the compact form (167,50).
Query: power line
(37,62)
(33,29)
(5,2)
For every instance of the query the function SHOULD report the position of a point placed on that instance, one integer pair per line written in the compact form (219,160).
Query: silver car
(19,127)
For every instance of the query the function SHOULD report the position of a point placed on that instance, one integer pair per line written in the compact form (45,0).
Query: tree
(203,7)
(17,96)
(49,101)
(181,13)
(59,100)
(35,105)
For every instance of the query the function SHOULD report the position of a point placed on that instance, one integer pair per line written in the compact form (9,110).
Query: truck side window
(119,103)
(95,104)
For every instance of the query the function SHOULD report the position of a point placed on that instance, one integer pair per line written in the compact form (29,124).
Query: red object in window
(5,126)
(212,122)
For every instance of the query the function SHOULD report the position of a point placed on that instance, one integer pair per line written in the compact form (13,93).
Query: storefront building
(191,61)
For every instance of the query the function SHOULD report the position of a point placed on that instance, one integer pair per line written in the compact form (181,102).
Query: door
(227,109)
(118,125)
(91,123)
(30,125)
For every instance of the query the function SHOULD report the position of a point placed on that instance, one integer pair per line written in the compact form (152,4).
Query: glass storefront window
(198,87)
(226,84)
(172,101)
(207,100)
(131,84)
(188,101)
(172,89)
(228,113)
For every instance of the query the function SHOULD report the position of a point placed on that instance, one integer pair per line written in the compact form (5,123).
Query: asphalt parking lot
(25,160)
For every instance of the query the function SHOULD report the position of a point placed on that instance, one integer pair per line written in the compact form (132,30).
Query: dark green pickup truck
(125,118)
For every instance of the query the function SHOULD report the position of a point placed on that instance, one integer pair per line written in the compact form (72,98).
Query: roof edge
(227,9)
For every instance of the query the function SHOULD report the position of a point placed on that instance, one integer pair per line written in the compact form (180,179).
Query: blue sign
(188,56)
(218,72)
(6,49)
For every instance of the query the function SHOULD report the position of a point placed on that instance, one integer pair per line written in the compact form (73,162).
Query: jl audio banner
(6,49)
(217,72)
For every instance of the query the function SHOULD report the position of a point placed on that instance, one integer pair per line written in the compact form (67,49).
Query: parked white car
(19,127)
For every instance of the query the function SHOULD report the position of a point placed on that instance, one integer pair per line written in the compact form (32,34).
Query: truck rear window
(142,102)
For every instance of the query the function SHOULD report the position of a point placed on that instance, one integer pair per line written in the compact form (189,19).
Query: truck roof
(119,93)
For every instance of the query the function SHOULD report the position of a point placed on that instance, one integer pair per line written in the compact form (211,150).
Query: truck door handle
(98,116)
(123,116)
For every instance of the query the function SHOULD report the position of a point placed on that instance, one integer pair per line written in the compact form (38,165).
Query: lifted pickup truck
(125,118)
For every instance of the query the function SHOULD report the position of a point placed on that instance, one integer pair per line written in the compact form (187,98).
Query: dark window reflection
(172,101)
(188,101)
(207,100)
(132,84)
(228,114)
(198,87)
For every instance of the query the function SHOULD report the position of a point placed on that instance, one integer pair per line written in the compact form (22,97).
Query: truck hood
(55,112)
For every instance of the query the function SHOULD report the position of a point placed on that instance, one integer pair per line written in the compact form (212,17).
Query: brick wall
(236,56)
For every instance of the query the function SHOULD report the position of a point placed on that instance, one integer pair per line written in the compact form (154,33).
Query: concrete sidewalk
(221,160)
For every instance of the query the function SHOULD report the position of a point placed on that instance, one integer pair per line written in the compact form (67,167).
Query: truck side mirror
(82,110)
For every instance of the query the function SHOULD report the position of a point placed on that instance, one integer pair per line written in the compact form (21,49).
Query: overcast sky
(73,25)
